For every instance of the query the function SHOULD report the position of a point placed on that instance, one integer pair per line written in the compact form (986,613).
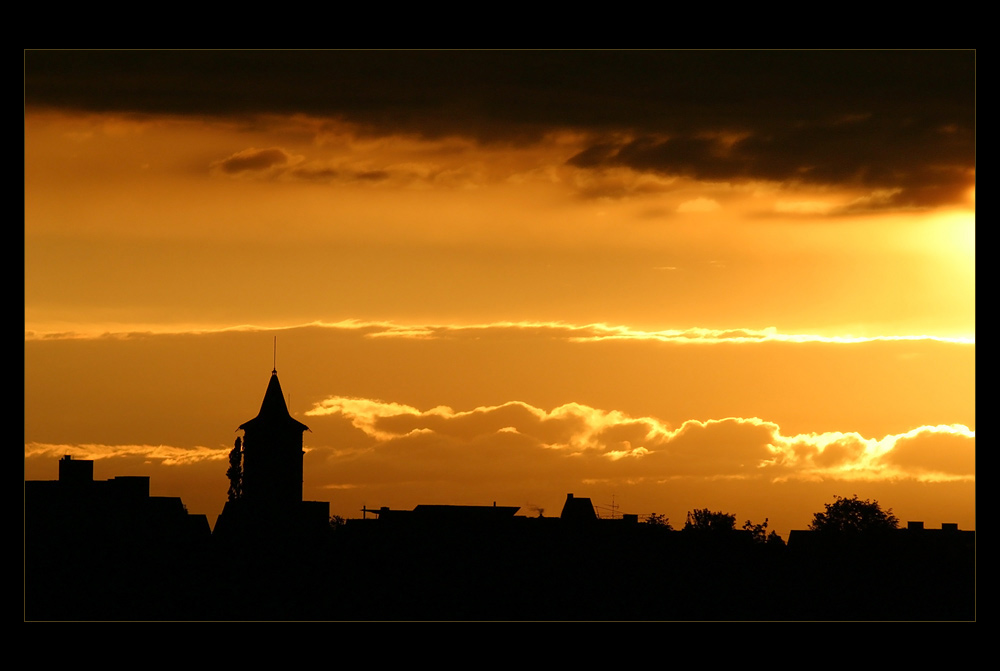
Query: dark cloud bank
(901,121)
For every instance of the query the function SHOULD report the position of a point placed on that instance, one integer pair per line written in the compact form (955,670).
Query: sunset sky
(735,280)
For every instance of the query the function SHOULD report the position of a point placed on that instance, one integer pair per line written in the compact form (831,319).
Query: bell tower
(272,454)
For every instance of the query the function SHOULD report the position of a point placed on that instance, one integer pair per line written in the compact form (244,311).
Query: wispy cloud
(166,455)
(600,332)
(581,333)
(256,161)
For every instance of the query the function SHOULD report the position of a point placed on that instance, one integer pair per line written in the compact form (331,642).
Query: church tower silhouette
(272,453)
(268,504)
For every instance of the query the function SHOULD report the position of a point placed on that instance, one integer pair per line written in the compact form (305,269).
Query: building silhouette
(578,510)
(92,546)
(272,453)
(77,509)
(270,493)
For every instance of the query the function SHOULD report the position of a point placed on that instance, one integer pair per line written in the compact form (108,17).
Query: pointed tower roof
(273,410)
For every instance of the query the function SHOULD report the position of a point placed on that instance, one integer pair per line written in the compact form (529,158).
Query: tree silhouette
(759,534)
(705,520)
(235,472)
(656,520)
(852,515)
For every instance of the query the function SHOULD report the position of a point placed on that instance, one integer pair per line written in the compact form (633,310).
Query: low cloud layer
(518,440)
(613,444)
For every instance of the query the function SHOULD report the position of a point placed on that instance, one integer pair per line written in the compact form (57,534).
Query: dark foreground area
(522,569)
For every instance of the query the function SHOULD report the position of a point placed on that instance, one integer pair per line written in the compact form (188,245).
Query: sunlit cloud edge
(580,333)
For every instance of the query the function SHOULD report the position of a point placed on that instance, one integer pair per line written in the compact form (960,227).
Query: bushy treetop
(853,515)
(705,520)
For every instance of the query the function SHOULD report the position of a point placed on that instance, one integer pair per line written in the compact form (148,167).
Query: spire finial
(274,360)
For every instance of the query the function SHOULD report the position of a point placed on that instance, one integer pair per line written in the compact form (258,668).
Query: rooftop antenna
(274,360)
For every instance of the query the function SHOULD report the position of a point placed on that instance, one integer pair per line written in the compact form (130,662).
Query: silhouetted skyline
(137,557)
(675,280)
(109,550)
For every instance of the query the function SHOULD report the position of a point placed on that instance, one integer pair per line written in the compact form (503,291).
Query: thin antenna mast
(274,360)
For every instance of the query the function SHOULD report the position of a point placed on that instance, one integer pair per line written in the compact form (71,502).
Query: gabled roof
(273,410)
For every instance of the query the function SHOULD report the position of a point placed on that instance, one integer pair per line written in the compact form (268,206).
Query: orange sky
(505,293)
